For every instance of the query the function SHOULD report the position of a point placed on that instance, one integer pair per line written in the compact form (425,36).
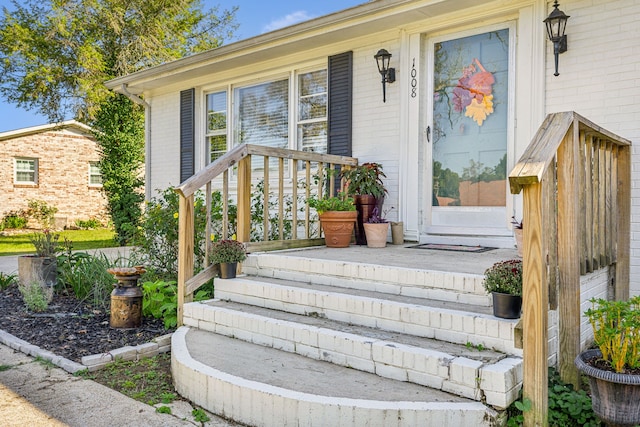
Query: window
(216,133)
(260,116)
(95,175)
(26,171)
(312,111)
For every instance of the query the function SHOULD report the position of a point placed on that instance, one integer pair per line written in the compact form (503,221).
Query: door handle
(428,133)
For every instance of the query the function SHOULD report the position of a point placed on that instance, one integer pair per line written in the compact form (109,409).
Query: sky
(253,16)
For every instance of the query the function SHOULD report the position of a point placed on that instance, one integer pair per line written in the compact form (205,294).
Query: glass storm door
(468,134)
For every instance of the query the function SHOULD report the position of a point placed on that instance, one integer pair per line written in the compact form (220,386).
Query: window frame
(90,174)
(16,170)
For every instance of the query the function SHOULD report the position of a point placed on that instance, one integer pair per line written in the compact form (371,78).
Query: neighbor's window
(312,111)
(216,124)
(26,171)
(95,176)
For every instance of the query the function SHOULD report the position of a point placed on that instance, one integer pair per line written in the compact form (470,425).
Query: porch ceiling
(363,20)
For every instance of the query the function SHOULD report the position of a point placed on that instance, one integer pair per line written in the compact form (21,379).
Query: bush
(88,224)
(42,212)
(36,296)
(14,220)
(160,300)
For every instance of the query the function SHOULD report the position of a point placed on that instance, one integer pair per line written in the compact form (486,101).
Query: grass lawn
(82,240)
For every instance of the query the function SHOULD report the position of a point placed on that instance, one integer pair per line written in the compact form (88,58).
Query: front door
(468,135)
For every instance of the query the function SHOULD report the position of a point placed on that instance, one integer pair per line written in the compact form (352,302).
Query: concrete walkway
(37,393)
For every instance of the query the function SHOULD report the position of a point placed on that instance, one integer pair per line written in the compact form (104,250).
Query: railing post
(185,251)
(244,200)
(624,222)
(535,302)
(569,216)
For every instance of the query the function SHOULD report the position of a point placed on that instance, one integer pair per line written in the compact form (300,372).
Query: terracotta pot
(506,306)
(614,396)
(517,232)
(376,234)
(365,204)
(228,270)
(338,227)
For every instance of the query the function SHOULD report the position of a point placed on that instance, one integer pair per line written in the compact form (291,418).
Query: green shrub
(36,296)
(160,301)
(567,407)
(14,220)
(88,224)
(42,212)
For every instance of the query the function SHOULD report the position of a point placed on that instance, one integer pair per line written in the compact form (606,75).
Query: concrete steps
(406,328)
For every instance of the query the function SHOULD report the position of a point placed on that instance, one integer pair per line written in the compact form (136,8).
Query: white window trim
(91,184)
(35,171)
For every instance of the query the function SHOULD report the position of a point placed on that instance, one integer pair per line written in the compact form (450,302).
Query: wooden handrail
(241,157)
(576,182)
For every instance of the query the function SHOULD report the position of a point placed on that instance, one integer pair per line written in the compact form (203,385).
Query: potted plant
(504,281)
(41,267)
(364,184)
(613,368)
(337,217)
(228,253)
(376,230)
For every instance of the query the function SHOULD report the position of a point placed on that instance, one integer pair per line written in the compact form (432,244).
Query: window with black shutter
(340,72)
(187,134)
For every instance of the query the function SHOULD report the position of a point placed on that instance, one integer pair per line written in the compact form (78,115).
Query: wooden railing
(576,184)
(231,174)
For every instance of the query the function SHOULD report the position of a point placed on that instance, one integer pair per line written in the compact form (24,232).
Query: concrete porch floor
(406,256)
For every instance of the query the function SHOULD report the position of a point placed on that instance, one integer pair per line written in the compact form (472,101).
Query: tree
(56,54)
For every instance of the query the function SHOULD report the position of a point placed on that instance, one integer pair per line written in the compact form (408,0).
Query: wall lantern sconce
(388,74)
(556,24)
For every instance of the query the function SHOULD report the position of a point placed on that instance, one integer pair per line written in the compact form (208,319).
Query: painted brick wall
(600,79)
(63,175)
(165,150)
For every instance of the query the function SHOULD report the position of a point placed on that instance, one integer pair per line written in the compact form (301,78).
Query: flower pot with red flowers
(504,281)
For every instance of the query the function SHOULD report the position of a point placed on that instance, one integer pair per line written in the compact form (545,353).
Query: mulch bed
(70,328)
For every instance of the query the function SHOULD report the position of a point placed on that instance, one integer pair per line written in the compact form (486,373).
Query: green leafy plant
(7,280)
(88,224)
(200,416)
(504,277)
(616,331)
(86,276)
(364,179)
(36,296)
(163,410)
(46,243)
(227,251)
(160,300)
(334,203)
(14,220)
(567,407)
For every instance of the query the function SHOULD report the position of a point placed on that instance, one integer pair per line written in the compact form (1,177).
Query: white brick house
(429,132)
(55,163)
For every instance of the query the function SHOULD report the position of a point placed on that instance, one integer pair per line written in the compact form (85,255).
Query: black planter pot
(614,396)
(228,270)
(506,306)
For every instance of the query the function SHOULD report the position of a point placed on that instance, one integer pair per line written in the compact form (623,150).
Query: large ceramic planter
(614,396)
(376,234)
(338,227)
(365,204)
(36,269)
(506,306)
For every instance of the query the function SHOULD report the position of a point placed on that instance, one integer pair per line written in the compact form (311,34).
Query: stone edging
(93,362)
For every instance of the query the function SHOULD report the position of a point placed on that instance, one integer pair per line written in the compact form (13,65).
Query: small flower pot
(376,234)
(228,270)
(506,306)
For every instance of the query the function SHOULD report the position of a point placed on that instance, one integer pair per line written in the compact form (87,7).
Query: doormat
(452,248)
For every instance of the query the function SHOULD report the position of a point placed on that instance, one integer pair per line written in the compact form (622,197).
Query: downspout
(147,137)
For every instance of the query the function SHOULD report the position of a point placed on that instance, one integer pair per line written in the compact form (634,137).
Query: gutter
(147,136)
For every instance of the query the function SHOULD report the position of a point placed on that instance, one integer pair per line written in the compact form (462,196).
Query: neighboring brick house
(56,163)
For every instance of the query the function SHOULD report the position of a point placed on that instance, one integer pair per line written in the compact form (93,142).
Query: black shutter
(340,73)
(187,133)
